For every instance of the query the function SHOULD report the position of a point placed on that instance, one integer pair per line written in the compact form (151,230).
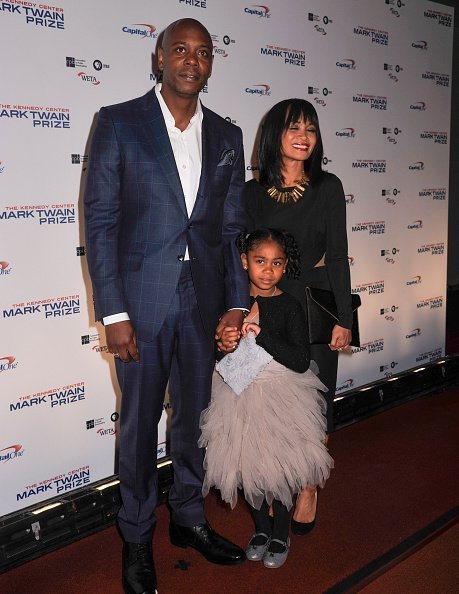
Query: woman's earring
(245,268)
(283,272)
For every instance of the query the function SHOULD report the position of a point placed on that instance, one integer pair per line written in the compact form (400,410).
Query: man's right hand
(121,341)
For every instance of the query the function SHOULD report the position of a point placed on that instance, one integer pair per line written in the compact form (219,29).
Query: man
(162,209)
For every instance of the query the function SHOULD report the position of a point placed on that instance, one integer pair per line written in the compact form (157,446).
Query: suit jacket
(137,226)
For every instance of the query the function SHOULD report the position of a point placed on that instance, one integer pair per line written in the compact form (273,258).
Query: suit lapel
(159,139)
(209,159)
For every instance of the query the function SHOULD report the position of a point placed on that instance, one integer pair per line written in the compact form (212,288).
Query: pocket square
(226,157)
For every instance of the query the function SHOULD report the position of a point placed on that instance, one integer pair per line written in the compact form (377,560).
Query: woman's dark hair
(277,120)
(246,242)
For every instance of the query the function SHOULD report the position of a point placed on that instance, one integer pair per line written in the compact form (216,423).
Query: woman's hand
(341,338)
(250,327)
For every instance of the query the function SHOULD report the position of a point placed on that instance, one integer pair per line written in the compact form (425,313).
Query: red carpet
(394,474)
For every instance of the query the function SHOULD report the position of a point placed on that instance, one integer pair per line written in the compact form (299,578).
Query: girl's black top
(283,331)
(318,223)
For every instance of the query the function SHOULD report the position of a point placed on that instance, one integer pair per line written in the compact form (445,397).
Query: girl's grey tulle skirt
(269,440)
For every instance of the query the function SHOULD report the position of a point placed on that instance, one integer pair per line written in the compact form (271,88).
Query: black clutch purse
(323,316)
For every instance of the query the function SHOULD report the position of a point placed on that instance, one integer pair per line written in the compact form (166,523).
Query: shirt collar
(169,118)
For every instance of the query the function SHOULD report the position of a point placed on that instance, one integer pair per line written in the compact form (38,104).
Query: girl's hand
(341,338)
(250,327)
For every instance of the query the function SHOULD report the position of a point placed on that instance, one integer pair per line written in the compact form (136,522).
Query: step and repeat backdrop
(379,75)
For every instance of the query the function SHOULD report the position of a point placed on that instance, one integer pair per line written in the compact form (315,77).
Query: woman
(294,194)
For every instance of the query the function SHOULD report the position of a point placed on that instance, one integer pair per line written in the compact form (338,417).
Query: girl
(269,439)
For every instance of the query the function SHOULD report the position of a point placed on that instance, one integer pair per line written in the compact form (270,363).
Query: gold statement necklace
(293,194)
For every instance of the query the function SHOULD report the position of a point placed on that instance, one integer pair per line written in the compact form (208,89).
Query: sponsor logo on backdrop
(258,10)
(414,280)
(430,356)
(319,94)
(437,137)
(388,368)
(391,133)
(296,57)
(346,63)
(395,7)
(90,338)
(78,159)
(80,250)
(73,479)
(345,133)
(2,167)
(217,41)
(39,117)
(320,23)
(375,35)
(326,160)
(161,449)
(370,165)
(230,120)
(54,214)
(347,384)
(414,333)
(51,17)
(415,225)
(390,254)
(259,90)
(72,62)
(438,78)
(98,348)
(418,106)
(374,101)
(430,303)
(434,193)
(88,78)
(371,288)
(252,168)
(441,18)
(416,166)
(5,268)
(351,260)
(371,347)
(391,68)
(388,312)
(56,307)
(420,44)
(143,30)
(100,430)
(8,363)
(52,398)
(350,198)
(390,194)
(194,3)
(434,249)
(12,452)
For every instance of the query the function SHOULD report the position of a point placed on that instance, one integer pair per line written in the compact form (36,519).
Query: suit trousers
(183,355)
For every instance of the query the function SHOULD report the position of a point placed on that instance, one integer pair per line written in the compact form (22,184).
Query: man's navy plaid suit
(137,231)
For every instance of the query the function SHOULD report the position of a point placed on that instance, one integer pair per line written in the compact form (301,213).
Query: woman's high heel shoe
(303,528)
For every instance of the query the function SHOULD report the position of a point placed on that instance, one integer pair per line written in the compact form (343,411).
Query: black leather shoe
(139,576)
(211,545)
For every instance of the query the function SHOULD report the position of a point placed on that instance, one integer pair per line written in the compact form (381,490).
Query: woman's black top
(318,223)
(283,331)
